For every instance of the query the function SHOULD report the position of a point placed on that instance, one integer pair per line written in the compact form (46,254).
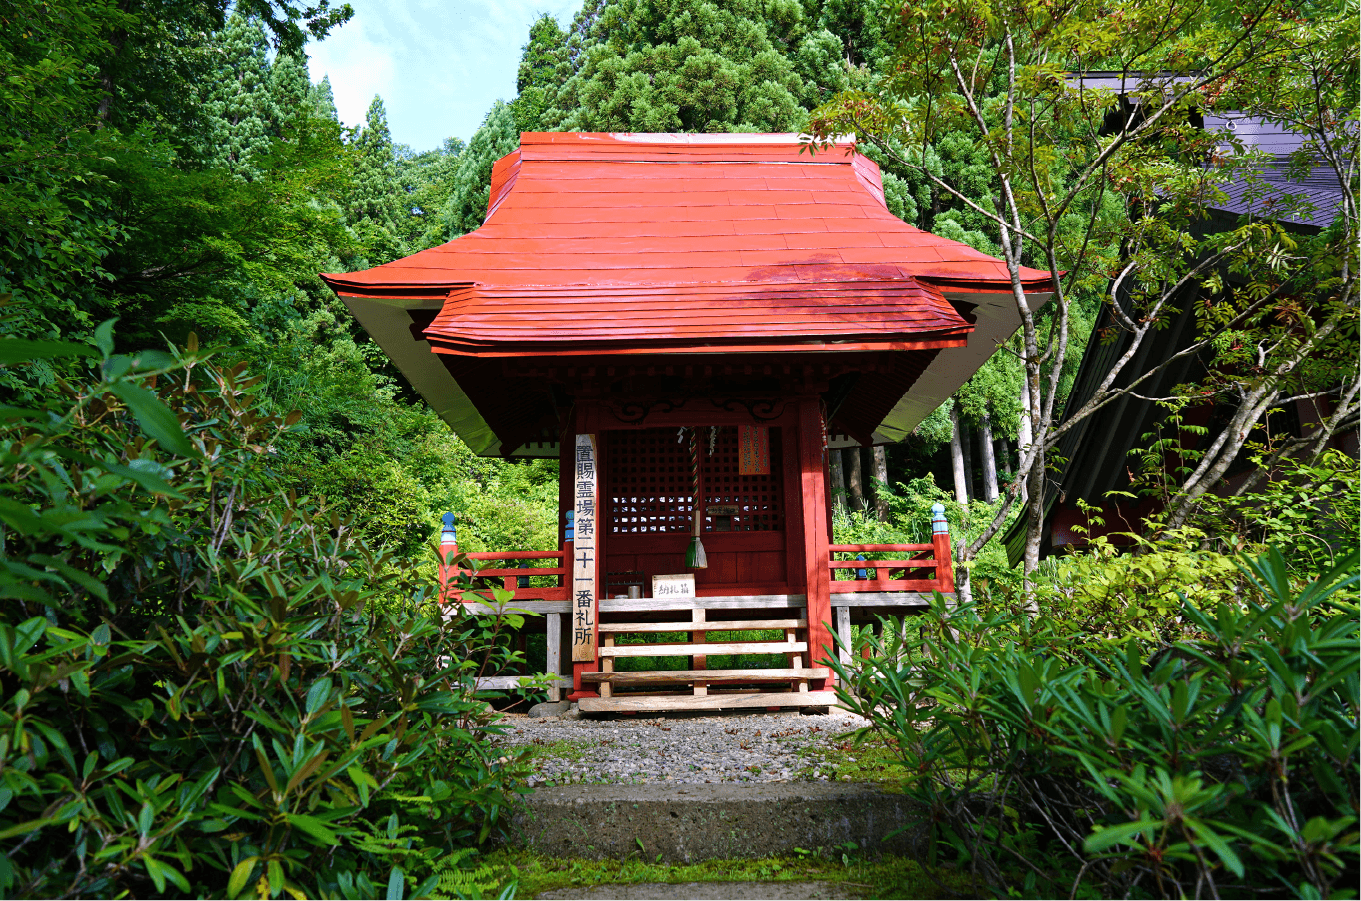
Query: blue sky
(438,64)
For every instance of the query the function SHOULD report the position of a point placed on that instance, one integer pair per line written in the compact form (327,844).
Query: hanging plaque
(753,450)
(583,553)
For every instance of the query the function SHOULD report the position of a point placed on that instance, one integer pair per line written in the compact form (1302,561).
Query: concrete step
(691,822)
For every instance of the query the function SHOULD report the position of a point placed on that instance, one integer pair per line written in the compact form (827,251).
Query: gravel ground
(766,747)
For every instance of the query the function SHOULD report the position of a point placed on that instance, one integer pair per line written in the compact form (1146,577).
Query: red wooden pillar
(813,491)
(448,547)
(940,543)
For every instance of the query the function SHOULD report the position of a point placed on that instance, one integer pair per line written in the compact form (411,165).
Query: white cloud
(360,60)
(438,64)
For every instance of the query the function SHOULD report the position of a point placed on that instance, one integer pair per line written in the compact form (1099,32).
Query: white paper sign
(583,553)
(678,586)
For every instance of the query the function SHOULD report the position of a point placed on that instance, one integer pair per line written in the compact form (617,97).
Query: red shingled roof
(687,242)
(493,321)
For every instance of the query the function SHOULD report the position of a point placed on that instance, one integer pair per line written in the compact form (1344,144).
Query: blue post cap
(939,525)
(860,574)
(449,533)
(569,532)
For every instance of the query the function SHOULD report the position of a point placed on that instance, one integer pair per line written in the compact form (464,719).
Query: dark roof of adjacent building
(1096,450)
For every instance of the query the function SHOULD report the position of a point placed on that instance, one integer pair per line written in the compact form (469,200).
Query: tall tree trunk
(963,577)
(1024,437)
(880,481)
(838,477)
(1035,523)
(855,482)
(966,451)
(957,459)
(989,458)
(1003,456)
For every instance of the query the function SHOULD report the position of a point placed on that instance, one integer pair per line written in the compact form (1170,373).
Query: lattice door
(747,503)
(650,483)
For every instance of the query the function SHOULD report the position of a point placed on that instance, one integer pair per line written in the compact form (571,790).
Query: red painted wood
(521,594)
(795,524)
(925,563)
(446,572)
(945,569)
(655,218)
(662,543)
(489,573)
(859,313)
(878,548)
(515,555)
(813,490)
(889,585)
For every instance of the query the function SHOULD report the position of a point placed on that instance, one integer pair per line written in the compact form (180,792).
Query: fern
(460,876)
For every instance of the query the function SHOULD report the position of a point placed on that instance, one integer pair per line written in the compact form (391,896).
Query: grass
(885,877)
(574,751)
(871,760)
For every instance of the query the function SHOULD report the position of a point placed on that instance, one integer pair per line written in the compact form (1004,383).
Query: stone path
(767,747)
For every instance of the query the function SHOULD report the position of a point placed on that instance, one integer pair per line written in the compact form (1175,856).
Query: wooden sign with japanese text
(584,553)
(677,586)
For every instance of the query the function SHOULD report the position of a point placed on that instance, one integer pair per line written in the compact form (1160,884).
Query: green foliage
(373,207)
(427,180)
(56,227)
(980,108)
(205,194)
(1054,762)
(1109,593)
(242,111)
(471,193)
(211,685)
(1311,512)
(682,66)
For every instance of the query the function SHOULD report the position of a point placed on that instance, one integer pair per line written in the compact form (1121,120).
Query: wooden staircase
(708,624)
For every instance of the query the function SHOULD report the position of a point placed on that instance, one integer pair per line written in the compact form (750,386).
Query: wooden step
(690,650)
(734,602)
(726,700)
(713,626)
(708,675)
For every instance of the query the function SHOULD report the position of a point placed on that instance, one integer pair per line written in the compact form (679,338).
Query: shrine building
(689,323)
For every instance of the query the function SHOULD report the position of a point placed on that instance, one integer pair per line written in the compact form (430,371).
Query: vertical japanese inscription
(584,552)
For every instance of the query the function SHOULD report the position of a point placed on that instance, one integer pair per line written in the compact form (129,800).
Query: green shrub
(210,687)
(1222,765)
(1108,593)
(1310,512)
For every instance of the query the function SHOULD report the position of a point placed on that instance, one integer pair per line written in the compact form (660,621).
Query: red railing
(509,577)
(928,569)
